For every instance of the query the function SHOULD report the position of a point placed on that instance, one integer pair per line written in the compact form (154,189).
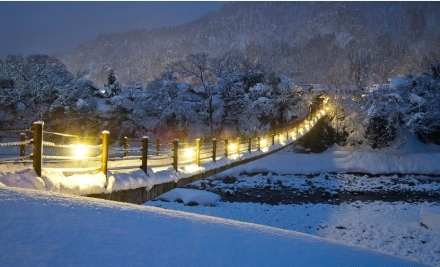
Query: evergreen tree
(112,88)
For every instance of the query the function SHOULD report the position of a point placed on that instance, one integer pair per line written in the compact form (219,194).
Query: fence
(7,151)
(144,153)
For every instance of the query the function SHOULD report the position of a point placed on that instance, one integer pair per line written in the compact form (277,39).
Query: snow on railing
(8,156)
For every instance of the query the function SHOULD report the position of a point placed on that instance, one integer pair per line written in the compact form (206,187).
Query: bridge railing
(95,154)
(15,146)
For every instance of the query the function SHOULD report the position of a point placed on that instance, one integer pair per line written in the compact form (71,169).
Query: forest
(214,96)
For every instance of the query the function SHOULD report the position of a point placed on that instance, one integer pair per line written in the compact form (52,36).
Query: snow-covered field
(395,228)
(39,228)
(408,227)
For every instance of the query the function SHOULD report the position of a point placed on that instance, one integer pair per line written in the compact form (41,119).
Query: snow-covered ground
(397,228)
(39,228)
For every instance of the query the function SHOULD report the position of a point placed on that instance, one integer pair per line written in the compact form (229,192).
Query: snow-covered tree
(235,77)
(166,107)
(430,65)
(75,109)
(38,80)
(113,87)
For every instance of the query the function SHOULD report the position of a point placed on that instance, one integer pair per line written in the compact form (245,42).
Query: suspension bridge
(185,161)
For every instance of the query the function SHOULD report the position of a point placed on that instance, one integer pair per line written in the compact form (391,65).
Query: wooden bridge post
(23,146)
(157,146)
(273,139)
(287,136)
(198,152)
(226,147)
(238,146)
(214,149)
(176,153)
(104,156)
(258,143)
(144,154)
(38,147)
(125,146)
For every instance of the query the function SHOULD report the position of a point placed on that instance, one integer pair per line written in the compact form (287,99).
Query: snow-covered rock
(191,197)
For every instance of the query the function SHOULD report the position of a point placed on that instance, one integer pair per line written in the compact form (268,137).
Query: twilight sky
(48,27)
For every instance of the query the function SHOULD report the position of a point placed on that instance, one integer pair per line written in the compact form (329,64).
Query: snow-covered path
(48,229)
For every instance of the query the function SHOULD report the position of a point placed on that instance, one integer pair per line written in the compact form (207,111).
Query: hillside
(318,42)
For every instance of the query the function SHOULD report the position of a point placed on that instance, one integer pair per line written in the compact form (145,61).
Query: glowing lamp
(263,142)
(232,147)
(281,139)
(80,151)
(190,153)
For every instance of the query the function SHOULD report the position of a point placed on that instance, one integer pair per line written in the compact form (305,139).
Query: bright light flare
(80,151)
(263,143)
(281,139)
(232,148)
(190,152)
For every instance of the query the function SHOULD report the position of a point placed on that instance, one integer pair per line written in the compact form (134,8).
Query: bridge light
(293,135)
(281,139)
(232,147)
(190,153)
(263,142)
(80,151)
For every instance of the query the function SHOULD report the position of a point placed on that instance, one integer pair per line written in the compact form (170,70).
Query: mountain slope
(313,42)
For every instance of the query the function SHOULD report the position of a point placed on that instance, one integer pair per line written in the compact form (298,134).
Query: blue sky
(49,27)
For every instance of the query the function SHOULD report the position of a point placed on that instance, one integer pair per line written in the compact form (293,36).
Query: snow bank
(93,182)
(411,156)
(190,197)
(55,180)
(25,178)
(49,229)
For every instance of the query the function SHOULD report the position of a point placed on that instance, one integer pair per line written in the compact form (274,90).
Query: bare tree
(197,68)
(359,66)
